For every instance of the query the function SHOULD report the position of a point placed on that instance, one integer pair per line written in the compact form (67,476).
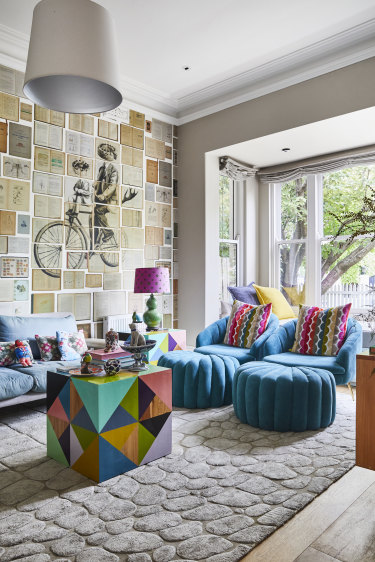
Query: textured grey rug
(225,488)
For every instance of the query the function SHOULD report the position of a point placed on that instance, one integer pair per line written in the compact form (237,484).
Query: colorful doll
(22,354)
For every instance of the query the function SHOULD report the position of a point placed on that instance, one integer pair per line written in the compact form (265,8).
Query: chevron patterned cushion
(246,323)
(320,332)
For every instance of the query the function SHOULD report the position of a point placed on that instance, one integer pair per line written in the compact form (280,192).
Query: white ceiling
(237,49)
(331,135)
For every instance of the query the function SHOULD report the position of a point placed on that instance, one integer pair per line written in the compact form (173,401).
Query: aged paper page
(57,162)
(93,280)
(138,138)
(18,245)
(132,176)
(43,282)
(155,148)
(152,171)
(112,281)
(8,222)
(6,290)
(57,118)
(19,195)
(43,303)
(42,159)
(41,133)
(3,244)
(126,136)
(136,119)
(133,238)
(82,306)
(165,174)
(26,112)
(19,140)
(3,136)
(9,107)
(87,125)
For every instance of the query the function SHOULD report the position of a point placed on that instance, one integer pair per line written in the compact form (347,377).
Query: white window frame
(315,237)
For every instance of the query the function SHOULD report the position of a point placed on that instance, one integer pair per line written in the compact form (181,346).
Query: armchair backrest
(215,332)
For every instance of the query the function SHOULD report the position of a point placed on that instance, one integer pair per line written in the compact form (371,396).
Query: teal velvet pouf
(200,381)
(281,398)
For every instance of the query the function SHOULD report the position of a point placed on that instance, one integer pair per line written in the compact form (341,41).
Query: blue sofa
(210,341)
(25,384)
(342,366)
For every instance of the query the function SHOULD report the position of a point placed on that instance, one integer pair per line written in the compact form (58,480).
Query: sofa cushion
(38,372)
(13,383)
(244,294)
(321,332)
(280,305)
(25,328)
(242,354)
(314,361)
(246,323)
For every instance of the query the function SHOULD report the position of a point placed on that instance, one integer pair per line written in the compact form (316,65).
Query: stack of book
(100,357)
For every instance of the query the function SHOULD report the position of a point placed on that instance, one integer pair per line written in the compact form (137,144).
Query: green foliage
(225,208)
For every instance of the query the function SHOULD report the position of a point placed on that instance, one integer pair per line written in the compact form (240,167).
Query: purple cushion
(245,294)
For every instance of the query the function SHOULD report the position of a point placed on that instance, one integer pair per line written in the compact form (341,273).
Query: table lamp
(151,280)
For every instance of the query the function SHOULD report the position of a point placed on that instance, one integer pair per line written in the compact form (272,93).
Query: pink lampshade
(151,280)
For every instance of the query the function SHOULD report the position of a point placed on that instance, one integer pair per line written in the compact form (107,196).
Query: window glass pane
(293,272)
(228,268)
(344,192)
(348,271)
(294,209)
(226,208)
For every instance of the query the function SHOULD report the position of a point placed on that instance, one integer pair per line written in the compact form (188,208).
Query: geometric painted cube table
(166,340)
(104,426)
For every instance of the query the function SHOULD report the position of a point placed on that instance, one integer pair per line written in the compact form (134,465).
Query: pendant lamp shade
(72,65)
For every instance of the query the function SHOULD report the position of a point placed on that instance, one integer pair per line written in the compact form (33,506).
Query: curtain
(236,170)
(318,165)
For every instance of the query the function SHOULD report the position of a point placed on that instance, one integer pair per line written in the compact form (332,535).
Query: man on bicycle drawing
(105,192)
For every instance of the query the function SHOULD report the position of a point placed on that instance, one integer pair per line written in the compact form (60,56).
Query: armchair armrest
(281,340)
(214,333)
(352,345)
(257,349)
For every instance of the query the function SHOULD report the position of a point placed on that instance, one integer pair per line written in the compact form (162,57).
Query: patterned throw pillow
(246,323)
(49,350)
(320,332)
(71,344)
(7,354)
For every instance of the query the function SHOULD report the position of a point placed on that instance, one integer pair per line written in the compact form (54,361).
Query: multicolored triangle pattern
(170,340)
(102,430)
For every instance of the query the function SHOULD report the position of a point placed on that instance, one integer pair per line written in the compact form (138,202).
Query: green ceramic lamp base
(151,317)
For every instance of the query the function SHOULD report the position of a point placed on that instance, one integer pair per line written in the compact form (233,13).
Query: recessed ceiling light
(186,67)
(285,149)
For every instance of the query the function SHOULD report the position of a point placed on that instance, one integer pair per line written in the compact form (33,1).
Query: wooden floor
(339,525)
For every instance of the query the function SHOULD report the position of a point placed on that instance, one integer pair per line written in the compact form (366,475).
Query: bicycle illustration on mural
(91,220)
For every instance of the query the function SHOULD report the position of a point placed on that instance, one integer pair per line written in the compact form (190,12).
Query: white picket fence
(359,295)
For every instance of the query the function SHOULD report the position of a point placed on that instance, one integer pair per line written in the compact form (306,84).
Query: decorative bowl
(138,352)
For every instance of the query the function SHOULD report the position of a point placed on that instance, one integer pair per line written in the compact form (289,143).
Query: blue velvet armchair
(342,366)
(210,341)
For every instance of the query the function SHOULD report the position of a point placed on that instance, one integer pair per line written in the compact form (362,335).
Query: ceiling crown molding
(345,48)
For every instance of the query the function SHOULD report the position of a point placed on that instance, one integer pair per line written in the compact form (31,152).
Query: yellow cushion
(280,305)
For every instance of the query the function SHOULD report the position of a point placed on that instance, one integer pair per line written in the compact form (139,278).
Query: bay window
(318,260)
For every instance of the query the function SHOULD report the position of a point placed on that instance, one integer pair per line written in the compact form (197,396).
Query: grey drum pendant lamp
(72,65)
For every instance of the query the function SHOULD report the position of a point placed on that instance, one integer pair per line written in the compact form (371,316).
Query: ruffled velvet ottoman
(200,381)
(281,398)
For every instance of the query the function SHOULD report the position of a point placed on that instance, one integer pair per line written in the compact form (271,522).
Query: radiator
(120,323)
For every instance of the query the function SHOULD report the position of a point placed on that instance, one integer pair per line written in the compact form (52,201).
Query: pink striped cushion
(320,332)
(246,323)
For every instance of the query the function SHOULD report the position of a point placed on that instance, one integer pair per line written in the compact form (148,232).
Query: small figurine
(111,341)
(22,354)
(112,367)
(85,362)
(137,339)
(136,318)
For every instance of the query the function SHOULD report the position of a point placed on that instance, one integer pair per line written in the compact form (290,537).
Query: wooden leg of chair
(351,390)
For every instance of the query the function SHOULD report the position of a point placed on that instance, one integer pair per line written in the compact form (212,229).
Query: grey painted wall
(346,90)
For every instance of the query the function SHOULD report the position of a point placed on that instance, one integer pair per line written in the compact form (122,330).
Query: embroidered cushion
(246,323)
(75,340)
(48,347)
(65,349)
(8,355)
(320,332)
